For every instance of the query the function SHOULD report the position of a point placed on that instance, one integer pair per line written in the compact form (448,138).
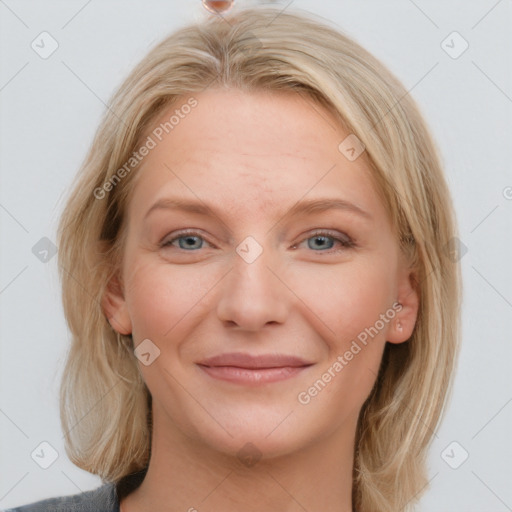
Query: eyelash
(349,243)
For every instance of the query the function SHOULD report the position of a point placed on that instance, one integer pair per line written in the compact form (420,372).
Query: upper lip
(241,360)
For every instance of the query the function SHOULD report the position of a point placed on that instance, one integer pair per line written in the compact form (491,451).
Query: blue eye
(186,241)
(324,242)
(320,241)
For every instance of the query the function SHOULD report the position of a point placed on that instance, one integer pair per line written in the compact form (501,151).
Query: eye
(324,241)
(319,241)
(188,241)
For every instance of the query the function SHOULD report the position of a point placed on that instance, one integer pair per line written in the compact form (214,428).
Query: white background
(51,108)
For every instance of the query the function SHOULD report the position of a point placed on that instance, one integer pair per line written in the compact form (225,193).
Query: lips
(255,361)
(253,369)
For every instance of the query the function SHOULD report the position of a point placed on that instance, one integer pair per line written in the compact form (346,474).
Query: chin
(251,432)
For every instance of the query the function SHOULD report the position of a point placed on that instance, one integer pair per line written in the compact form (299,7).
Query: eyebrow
(301,207)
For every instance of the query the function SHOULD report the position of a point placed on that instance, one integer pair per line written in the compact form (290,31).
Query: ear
(114,306)
(408,298)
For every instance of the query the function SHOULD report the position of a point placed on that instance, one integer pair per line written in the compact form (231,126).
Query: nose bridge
(251,269)
(252,295)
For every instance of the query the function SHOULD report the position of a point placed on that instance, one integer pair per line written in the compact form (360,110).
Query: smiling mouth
(253,369)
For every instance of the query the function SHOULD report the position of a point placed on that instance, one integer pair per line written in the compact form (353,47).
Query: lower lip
(250,376)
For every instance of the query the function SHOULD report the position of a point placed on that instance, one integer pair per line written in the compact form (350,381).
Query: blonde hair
(105,405)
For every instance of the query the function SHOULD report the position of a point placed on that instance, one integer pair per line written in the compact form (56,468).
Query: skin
(251,157)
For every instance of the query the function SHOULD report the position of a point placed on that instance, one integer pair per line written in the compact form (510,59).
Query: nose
(253,295)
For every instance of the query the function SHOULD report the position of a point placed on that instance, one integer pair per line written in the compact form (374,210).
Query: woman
(257,274)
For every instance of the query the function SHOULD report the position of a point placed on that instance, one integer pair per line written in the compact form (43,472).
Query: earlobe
(114,307)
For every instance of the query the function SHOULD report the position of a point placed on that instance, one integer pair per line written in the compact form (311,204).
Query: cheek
(159,297)
(350,300)
(346,299)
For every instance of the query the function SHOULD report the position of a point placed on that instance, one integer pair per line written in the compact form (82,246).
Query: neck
(184,475)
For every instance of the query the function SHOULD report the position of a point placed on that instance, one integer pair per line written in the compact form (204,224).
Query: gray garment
(102,499)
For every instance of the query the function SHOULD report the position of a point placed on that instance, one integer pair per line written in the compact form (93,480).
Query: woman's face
(262,317)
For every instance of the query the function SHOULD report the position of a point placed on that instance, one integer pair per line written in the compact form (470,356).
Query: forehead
(258,148)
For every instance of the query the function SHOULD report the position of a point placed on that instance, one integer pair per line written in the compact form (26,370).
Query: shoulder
(102,499)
